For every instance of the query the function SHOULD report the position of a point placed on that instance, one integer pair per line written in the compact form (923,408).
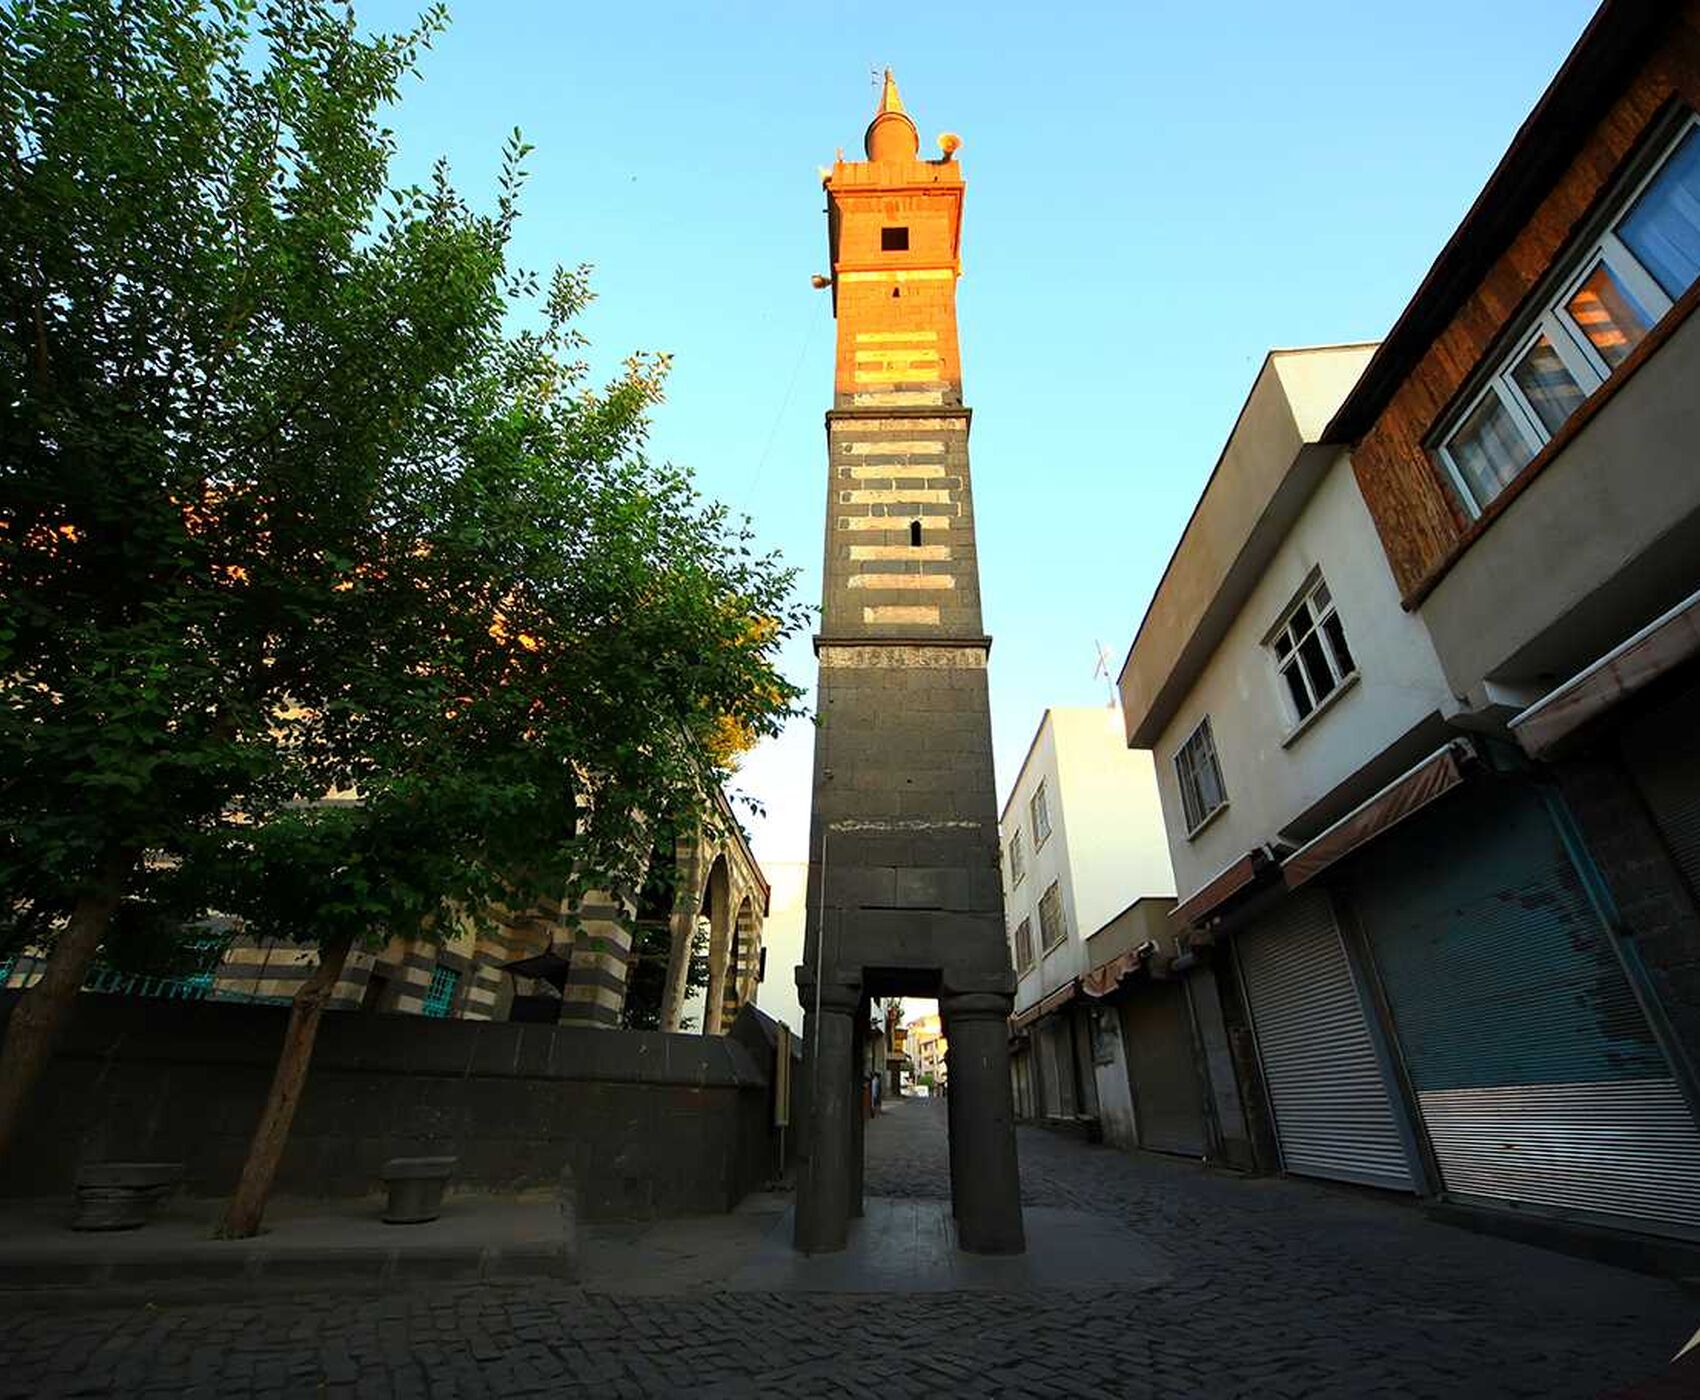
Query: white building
(1083,844)
(1280,684)
(1281,530)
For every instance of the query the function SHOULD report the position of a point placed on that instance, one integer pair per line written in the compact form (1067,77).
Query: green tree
(323,585)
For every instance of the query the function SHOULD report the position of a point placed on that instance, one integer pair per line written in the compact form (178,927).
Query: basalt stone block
(122,1195)
(416,1187)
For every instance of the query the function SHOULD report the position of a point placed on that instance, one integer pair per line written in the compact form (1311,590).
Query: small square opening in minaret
(894,240)
(914,532)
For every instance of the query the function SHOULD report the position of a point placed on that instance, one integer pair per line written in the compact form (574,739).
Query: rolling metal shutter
(1085,1076)
(1539,1079)
(1663,753)
(1157,1031)
(1332,1112)
(1056,1056)
(1021,1069)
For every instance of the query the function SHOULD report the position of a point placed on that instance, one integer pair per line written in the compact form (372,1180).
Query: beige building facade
(1082,842)
(709,903)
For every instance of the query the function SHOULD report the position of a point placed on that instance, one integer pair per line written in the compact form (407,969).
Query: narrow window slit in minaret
(915,532)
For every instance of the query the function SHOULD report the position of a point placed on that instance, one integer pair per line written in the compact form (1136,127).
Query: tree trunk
(248,1205)
(33,1030)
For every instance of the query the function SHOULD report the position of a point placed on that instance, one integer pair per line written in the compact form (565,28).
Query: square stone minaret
(904,897)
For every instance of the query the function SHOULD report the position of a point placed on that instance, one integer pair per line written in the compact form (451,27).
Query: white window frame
(1039,811)
(1341,674)
(1189,800)
(1024,927)
(1568,340)
(1017,859)
(1050,944)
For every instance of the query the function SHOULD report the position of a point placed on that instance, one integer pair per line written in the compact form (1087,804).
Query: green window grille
(441,994)
(135,984)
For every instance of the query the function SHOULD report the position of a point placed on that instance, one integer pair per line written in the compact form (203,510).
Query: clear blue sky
(1158,193)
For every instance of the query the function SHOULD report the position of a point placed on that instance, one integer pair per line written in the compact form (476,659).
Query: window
(1646,256)
(440,996)
(1202,790)
(1017,860)
(894,240)
(915,532)
(1052,929)
(1024,946)
(1311,652)
(1040,811)
(1662,227)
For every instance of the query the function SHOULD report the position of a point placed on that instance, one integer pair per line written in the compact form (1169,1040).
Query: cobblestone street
(1280,1288)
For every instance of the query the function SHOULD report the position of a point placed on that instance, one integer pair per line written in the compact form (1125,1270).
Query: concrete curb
(307,1246)
(271,1268)
(1674,1259)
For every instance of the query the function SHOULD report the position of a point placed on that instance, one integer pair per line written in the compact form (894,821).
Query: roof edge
(1588,81)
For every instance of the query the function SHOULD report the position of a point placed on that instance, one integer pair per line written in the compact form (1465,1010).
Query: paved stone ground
(1281,1288)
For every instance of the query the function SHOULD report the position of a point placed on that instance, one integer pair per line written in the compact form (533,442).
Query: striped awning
(1055,1001)
(1106,977)
(1411,792)
(1657,648)
(1245,873)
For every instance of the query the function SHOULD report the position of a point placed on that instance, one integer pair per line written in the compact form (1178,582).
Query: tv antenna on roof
(1103,669)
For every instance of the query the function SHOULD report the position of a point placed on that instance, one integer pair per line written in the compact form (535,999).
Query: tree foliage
(331,580)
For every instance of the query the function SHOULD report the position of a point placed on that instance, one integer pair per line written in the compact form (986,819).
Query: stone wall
(651,1124)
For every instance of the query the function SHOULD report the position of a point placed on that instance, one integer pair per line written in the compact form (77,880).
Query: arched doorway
(717,908)
(700,931)
(743,962)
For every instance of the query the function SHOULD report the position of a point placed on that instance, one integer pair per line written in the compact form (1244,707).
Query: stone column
(982,1140)
(600,960)
(951,1114)
(858,1120)
(688,876)
(823,1191)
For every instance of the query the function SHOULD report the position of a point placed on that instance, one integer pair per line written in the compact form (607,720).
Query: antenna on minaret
(1103,669)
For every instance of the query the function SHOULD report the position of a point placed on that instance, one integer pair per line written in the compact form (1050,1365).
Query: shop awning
(1411,792)
(548,967)
(1659,647)
(1106,977)
(1244,872)
(1053,1002)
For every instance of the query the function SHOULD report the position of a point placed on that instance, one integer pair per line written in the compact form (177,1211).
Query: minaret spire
(891,134)
(889,100)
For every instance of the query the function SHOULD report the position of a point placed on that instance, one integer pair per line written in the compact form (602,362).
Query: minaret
(904,897)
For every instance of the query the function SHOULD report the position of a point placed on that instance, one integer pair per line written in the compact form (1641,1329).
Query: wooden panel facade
(1421,521)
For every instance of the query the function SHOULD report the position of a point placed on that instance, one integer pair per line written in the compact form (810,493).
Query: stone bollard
(416,1188)
(121,1195)
(566,1201)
